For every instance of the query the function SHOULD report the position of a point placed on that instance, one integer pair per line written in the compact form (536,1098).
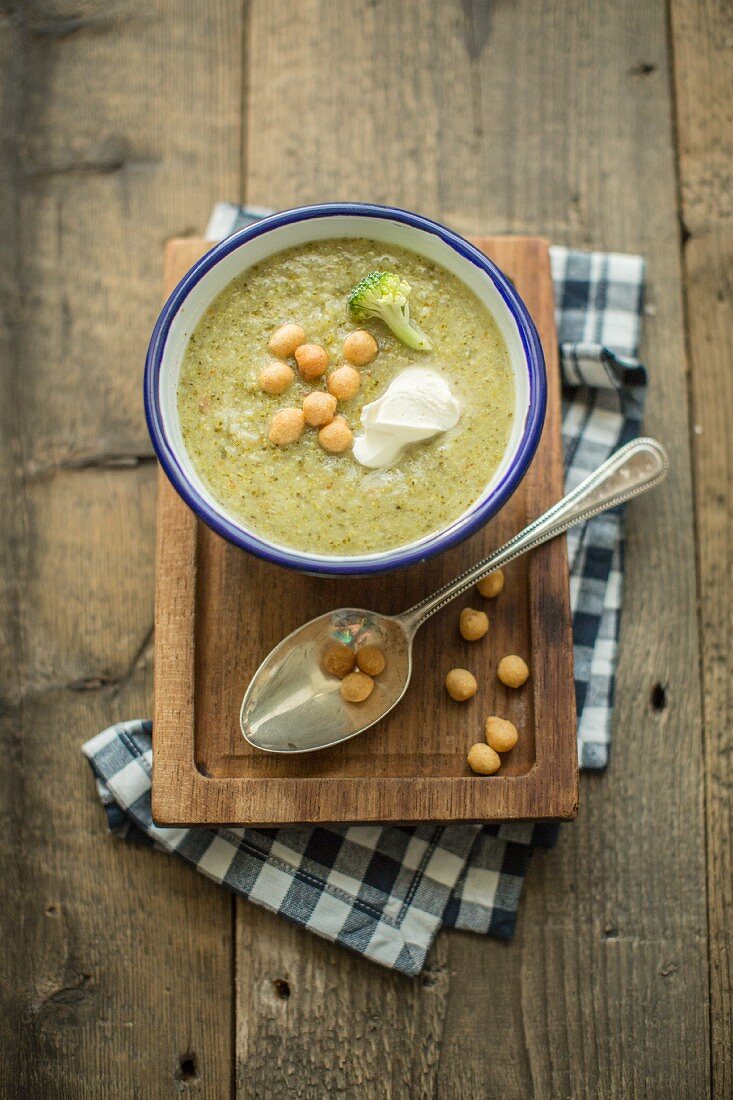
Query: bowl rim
(396,557)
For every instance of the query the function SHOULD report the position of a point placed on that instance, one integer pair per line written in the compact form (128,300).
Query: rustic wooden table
(597,125)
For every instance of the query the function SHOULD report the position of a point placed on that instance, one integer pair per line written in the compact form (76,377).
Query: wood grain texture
(703,68)
(216,620)
(112,951)
(322,1023)
(12,999)
(552,119)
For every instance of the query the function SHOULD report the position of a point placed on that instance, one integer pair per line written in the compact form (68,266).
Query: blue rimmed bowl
(206,279)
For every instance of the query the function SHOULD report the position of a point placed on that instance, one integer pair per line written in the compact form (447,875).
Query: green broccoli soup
(346,397)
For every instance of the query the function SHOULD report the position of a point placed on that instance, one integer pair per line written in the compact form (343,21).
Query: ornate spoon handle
(631,470)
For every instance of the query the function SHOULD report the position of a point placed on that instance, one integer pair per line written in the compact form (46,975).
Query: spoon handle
(631,470)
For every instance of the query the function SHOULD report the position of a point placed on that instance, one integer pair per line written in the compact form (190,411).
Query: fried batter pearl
(312,360)
(339,660)
(460,684)
(500,734)
(336,437)
(370,659)
(276,377)
(343,383)
(491,586)
(356,687)
(285,340)
(483,760)
(473,624)
(513,671)
(286,426)
(360,348)
(319,409)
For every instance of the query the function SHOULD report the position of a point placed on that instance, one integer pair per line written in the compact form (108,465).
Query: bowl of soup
(345,388)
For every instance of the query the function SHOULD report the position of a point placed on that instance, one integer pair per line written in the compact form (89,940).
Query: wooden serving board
(219,611)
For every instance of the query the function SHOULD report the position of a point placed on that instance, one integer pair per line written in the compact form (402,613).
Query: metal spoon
(292,705)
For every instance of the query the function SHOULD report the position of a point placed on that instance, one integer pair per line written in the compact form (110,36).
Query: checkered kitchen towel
(385,891)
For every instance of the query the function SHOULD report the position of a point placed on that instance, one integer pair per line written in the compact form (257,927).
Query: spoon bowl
(293,705)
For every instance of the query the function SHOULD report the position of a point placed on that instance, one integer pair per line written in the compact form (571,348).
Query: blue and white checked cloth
(385,891)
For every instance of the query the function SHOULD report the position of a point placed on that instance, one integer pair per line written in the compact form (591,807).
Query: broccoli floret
(383,294)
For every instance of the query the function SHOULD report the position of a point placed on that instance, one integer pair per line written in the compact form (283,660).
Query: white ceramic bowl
(231,257)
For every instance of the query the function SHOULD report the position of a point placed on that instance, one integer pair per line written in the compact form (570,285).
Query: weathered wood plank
(557,120)
(120,114)
(12,1001)
(703,68)
(315,1021)
(122,134)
